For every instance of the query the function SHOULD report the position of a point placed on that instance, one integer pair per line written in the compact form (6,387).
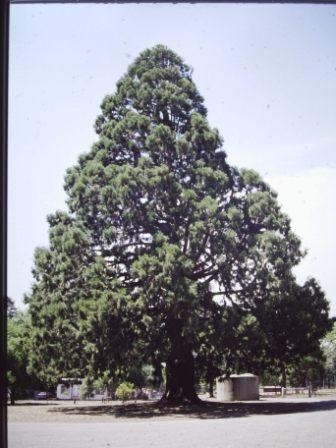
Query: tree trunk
(180,379)
(12,397)
(283,375)
(211,387)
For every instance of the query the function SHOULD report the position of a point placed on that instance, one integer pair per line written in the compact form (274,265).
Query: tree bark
(211,387)
(180,378)
(12,397)
(210,377)
(283,375)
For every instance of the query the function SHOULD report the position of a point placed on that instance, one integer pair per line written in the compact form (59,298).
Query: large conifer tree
(162,237)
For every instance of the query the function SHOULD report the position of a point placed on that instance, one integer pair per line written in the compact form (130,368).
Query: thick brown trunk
(180,379)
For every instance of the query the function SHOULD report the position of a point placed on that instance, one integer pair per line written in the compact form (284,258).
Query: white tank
(224,388)
(238,387)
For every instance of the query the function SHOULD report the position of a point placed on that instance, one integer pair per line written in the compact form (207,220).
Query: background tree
(328,347)
(57,304)
(163,226)
(20,381)
(293,320)
(308,371)
(11,308)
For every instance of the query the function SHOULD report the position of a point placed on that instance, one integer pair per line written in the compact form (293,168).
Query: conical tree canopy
(174,236)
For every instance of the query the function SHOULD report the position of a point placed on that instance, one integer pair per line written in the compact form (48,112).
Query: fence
(277,391)
(282,391)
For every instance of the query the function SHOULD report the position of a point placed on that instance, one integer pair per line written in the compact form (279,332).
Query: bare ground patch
(84,411)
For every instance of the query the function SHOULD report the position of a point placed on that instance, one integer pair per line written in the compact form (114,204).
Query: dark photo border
(4,5)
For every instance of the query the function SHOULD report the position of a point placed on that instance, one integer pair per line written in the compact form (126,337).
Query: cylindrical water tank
(224,389)
(245,387)
(238,387)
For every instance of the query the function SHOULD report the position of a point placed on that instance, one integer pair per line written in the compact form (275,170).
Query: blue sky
(267,74)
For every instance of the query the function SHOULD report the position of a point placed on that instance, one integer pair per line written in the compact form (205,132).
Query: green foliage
(141,376)
(124,391)
(292,320)
(309,370)
(58,303)
(18,350)
(86,388)
(329,350)
(17,344)
(11,308)
(97,384)
(269,378)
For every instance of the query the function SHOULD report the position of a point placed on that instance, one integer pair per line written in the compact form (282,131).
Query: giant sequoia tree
(161,240)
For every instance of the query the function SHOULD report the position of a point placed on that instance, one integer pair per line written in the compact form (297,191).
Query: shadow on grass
(206,410)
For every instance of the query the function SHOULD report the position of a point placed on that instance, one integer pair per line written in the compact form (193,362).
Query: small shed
(69,389)
(238,387)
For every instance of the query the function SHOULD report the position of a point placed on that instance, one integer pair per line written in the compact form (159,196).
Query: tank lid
(243,375)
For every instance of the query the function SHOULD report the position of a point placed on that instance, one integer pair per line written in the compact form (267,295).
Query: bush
(86,388)
(124,391)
